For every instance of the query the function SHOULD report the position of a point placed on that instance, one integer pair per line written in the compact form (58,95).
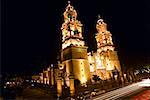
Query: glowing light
(7,82)
(145,83)
(115,77)
(98,62)
(82,74)
(125,75)
(99,50)
(67,82)
(75,42)
(103,37)
(91,68)
(102,57)
(32,84)
(44,80)
(83,80)
(47,81)
(70,20)
(72,33)
(61,66)
(109,65)
(38,81)
(104,41)
(52,65)
(59,87)
(72,28)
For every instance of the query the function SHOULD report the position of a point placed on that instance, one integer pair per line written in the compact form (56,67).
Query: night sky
(31,35)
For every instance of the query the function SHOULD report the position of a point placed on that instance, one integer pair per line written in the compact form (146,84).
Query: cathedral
(76,63)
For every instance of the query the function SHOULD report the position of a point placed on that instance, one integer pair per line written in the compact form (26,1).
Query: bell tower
(106,49)
(71,29)
(74,51)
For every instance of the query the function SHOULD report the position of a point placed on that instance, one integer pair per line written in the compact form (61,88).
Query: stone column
(72,87)
(49,77)
(52,76)
(41,78)
(59,86)
(108,74)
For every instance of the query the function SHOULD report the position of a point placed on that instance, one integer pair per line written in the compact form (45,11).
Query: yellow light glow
(98,62)
(72,88)
(91,68)
(103,37)
(72,33)
(74,42)
(104,41)
(72,28)
(44,80)
(47,81)
(74,25)
(59,87)
(109,65)
(67,83)
(83,80)
(82,74)
(48,69)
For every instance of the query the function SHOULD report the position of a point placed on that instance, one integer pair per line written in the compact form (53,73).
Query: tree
(96,78)
(76,82)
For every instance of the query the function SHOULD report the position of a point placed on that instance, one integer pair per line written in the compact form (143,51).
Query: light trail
(115,94)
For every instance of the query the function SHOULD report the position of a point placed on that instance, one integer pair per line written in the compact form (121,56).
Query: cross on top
(99,16)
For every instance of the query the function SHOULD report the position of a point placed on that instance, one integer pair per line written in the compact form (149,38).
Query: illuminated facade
(105,60)
(47,76)
(76,63)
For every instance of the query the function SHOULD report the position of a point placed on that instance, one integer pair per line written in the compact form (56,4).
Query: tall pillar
(59,86)
(74,51)
(49,75)
(41,78)
(72,87)
(52,76)
(109,74)
(44,77)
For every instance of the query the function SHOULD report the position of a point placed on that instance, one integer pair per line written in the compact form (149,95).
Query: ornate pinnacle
(99,18)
